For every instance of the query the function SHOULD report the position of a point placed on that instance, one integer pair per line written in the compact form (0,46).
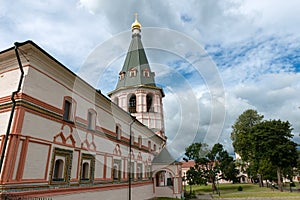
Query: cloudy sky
(214,58)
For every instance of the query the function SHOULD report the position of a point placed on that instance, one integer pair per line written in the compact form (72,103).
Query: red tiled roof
(188,164)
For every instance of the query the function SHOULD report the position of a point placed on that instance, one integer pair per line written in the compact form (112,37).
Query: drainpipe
(13,105)
(130,150)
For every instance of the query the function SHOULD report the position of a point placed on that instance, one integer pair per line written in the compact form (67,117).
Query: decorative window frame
(146,73)
(131,172)
(91,119)
(66,156)
(90,159)
(121,75)
(139,171)
(148,171)
(69,115)
(132,72)
(118,164)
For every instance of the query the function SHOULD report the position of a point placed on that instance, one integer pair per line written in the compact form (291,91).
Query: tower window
(132,72)
(146,73)
(121,75)
(149,99)
(132,104)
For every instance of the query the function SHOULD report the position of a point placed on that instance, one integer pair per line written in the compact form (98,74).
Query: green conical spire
(136,70)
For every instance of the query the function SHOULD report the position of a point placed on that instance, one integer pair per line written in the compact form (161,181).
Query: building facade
(62,138)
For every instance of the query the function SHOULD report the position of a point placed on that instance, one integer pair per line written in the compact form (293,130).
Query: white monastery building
(62,140)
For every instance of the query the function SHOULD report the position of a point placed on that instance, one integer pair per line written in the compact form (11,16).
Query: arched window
(115,172)
(85,171)
(121,75)
(140,141)
(149,145)
(69,109)
(132,138)
(118,132)
(146,73)
(140,171)
(91,118)
(132,72)
(154,147)
(58,170)
(132,104)
(149,99)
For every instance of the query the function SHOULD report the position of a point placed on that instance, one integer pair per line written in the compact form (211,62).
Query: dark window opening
(132,104)
(58,170)
(149,103)
(85,171)
(67,110)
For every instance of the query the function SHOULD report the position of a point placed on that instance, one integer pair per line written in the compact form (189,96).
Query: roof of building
(188,164)
(164,157)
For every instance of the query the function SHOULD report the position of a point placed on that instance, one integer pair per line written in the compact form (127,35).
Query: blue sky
(214,58)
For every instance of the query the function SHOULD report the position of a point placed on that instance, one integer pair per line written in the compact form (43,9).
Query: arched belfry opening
(149,103)
(132,104)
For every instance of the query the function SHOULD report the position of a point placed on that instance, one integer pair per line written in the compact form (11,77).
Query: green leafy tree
(209,163)
(241,132)
(228,167)
(241,140)
(271,140)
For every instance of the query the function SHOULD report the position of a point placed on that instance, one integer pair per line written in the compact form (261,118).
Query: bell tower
(136,91)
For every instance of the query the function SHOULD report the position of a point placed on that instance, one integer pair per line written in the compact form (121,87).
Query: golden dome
(136,24)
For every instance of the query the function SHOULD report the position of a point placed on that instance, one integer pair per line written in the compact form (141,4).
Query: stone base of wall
(138,193)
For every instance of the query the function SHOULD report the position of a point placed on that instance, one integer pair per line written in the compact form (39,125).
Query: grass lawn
(249,190)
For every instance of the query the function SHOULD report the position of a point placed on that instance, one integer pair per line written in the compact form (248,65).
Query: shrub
(292,184)
(240,188)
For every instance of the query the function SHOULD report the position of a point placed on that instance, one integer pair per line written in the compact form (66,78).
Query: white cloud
(254,45)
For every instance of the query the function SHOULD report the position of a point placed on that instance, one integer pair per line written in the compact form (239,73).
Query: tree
(209,163)
(241,138)
(241,131)
(271,141)
(228,167)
